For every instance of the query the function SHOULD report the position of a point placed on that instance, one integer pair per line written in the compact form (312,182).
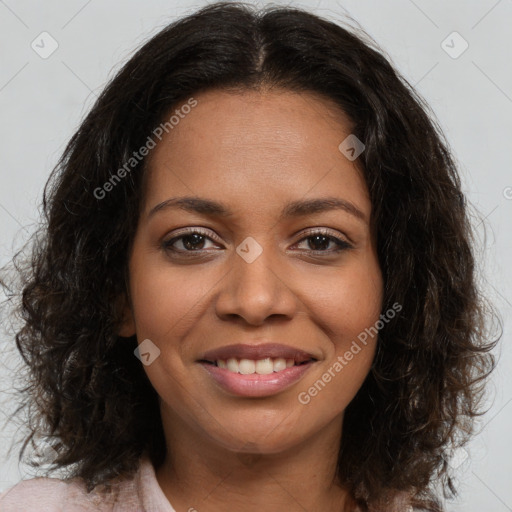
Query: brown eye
(191,241)
(320,241)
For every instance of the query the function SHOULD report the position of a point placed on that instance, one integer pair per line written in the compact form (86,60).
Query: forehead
(267,144)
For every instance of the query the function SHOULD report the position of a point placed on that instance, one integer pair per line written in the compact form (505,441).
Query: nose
(255,291)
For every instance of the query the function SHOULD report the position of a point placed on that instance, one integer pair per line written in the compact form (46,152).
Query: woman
(255,285)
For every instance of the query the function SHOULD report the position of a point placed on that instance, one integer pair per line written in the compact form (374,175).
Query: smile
(256,370)
(261,366)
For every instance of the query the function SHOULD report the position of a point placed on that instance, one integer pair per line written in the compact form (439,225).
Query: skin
(254,151)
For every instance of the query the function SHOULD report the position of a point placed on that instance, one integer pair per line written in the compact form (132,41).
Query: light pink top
(138,494)
(141,493)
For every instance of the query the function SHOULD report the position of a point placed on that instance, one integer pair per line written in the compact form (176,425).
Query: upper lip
(256,352)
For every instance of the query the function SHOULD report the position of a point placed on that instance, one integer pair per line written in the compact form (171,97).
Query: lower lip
(255,385)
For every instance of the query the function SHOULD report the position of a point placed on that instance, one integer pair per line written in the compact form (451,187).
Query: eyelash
(342,245)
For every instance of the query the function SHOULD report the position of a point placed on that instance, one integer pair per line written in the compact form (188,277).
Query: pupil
(196,240)
(323,245)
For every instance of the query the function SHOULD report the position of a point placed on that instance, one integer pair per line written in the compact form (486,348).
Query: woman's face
(276,261)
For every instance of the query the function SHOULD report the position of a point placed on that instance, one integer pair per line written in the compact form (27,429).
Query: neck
(202,475)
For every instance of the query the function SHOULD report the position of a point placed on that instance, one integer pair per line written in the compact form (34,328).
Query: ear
(127,325)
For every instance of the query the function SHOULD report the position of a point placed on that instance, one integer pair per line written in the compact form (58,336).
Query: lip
(255,385)
(256,352)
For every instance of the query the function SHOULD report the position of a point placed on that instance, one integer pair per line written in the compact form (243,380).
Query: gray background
(43,100)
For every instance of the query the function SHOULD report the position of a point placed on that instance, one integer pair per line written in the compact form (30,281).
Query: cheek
(347,304)
(347,313)
(328,394)
(166,301)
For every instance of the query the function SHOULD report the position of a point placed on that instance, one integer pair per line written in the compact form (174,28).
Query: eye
(188,241)
(196,240)
(320,240)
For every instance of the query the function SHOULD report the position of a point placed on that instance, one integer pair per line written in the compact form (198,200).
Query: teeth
(261,367)
(232,364)
(281,364)
(264,366)
(246,366)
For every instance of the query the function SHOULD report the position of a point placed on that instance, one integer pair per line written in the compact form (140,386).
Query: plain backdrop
(465,76)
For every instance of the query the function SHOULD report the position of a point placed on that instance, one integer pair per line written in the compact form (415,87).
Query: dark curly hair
(87,393)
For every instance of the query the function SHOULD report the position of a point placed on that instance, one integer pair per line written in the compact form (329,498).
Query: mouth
(256,370)
(264,366)
(262,359)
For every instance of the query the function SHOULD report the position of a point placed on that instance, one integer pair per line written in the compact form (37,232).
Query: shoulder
(140,492)
(54,495)
(48,494)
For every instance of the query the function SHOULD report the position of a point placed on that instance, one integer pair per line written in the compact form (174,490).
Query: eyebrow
(297,208)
